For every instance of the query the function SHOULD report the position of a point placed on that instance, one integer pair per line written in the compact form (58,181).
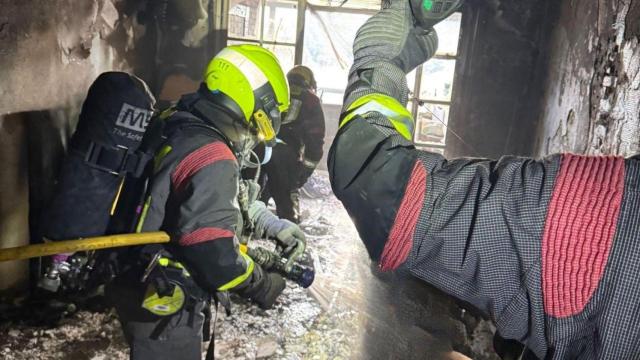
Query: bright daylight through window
(329,30)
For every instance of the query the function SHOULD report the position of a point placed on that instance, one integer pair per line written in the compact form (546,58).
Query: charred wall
(14,198)
(592,92)
(540,77)
(499,77)
(50,52)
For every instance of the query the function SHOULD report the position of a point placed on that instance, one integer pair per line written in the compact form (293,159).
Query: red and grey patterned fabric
(546,248)
(398,246)
(580,226)
(606,326)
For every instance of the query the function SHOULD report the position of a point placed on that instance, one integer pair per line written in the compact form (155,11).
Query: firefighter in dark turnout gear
(297,154)
(193,196)
(548,249)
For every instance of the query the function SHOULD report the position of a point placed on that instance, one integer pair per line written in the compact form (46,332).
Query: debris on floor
(352,311)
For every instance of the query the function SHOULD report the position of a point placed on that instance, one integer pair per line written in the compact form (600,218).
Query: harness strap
(116,160)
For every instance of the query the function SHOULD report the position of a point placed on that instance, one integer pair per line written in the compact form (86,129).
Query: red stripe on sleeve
(579,230)
(192,163)
(205,234)
(398,245)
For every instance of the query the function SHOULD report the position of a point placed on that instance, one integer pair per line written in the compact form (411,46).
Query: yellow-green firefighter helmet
(251,76)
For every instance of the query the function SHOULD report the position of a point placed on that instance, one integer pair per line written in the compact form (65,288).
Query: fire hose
(302,273)
(86,244)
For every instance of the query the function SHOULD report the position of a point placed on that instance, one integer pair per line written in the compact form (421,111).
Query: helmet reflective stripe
(250,76)
(254,75)
(397,114)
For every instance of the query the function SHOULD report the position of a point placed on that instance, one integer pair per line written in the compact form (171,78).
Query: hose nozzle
(302,272)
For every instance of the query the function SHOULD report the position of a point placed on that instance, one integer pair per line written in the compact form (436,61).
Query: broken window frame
(272,44)
(334,93)
(416,101)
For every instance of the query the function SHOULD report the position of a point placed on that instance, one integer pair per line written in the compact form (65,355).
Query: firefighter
(299,150)
(161,295)
(548,249)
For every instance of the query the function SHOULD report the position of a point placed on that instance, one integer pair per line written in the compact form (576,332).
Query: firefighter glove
(391,35)
(264,288)
(288,235)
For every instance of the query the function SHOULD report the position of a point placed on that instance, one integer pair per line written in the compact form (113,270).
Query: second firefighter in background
(299,149)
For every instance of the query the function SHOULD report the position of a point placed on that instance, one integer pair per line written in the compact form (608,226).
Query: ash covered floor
(351,312)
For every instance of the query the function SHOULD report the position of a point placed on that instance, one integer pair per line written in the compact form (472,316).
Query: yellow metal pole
(86,244)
